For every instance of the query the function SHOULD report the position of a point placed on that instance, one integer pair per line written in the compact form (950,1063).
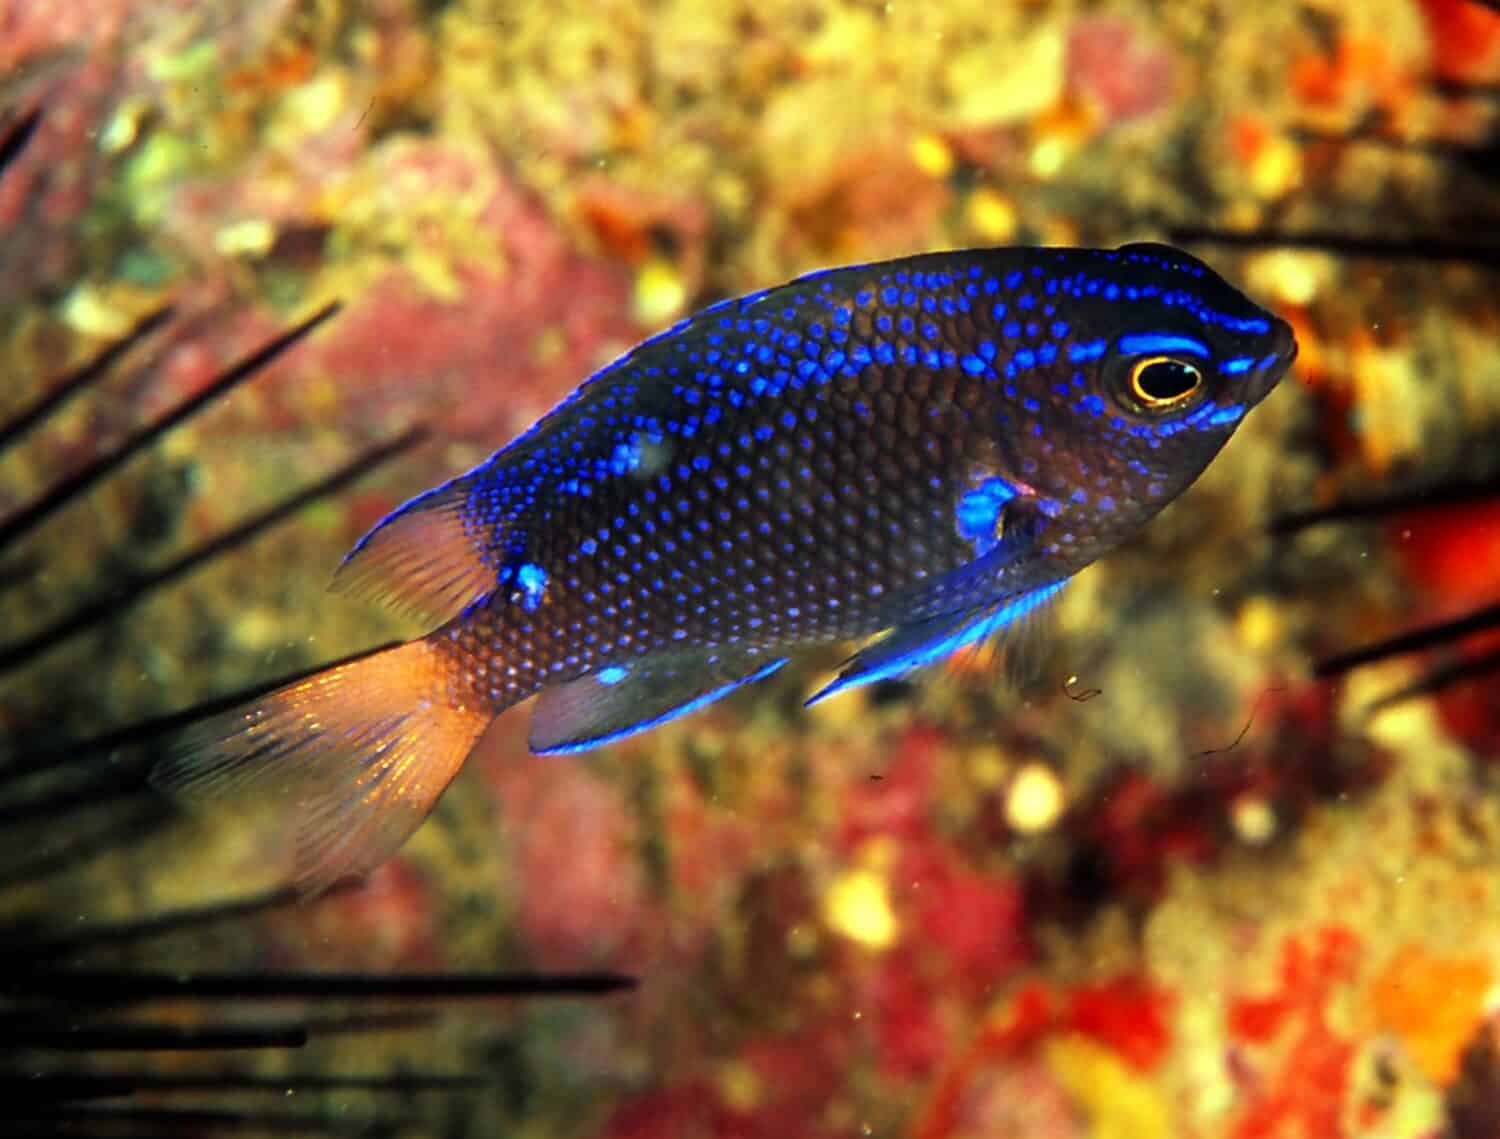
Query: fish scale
(928,448)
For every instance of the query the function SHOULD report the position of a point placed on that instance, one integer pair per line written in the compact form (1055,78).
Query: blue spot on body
(625,458)
(612,675)
(532,579)
(978,512)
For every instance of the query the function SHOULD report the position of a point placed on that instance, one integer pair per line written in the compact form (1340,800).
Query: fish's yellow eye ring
(1160,382)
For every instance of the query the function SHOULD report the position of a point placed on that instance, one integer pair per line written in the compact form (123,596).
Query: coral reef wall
(1174,884)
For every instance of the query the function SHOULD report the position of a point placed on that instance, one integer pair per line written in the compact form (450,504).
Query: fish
(915,454)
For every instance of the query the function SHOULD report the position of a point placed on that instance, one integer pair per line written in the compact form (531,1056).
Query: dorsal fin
(425,559)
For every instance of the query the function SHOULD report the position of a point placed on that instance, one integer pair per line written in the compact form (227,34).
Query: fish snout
(1283,344)
(1275,364)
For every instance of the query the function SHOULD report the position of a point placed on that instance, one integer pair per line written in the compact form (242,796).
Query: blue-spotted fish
(926,448)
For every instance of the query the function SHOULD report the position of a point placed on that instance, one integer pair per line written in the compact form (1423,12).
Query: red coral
(1452,551)
(897,803)
(45,192)
(976,921)
(1465,39)
(489,364)
(1029,1017)
(1120,72)
(796,1077)
(1471,712)
(1132,828)
(909,1036)
(689,1110)
(1128,1015)
(386,922)
(1135,827)
(1304,1097)
(573,846)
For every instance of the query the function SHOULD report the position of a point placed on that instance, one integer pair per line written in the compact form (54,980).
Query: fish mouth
(1277,362)
(1284,343)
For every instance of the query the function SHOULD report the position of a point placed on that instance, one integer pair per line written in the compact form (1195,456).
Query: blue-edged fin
(621,700)
(425,559)
(907,647)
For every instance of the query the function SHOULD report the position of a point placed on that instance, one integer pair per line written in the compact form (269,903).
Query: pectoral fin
(922,642)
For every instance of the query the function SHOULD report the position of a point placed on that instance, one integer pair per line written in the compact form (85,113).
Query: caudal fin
(355,755)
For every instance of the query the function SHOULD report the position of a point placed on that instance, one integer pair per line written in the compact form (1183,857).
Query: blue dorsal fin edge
(424,558)
(621,700)
(908,647)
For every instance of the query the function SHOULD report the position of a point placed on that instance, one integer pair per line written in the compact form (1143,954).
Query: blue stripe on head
(1146,342)
(1226,415)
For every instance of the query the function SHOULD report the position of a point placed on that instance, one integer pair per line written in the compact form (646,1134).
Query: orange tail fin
(358,753)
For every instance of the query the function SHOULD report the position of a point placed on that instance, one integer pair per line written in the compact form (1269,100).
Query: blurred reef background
(1201,876)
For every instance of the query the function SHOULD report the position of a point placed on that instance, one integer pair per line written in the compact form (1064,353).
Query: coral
(585,910)
(389,922)
(1452,552)
(1117,69)
(944,908)
(519,330)
(1118,1102)
(1304,1097)
(1097,1042)
(1127,1015)
(1473,1108)
(1465,38)
(1434,1004)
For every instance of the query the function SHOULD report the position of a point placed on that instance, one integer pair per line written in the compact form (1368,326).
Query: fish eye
(1160,382)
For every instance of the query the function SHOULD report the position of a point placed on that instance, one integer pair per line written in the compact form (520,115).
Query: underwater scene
(1006,643)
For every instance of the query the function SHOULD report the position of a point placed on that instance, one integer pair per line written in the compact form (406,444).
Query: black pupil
(1167,380)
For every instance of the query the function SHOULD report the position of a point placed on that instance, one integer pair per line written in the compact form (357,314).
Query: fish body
(928,447)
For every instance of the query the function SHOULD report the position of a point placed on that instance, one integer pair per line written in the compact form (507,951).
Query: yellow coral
(1120,1104)
(858,906)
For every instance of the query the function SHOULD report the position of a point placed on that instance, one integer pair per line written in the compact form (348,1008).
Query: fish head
(1158,362)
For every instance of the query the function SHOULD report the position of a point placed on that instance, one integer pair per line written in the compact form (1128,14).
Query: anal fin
(907,647)
(620,700)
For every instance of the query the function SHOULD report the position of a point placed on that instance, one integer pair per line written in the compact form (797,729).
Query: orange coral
(1434,1004)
